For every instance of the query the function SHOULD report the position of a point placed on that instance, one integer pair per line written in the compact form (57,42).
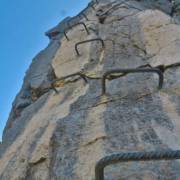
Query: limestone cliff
(61,124)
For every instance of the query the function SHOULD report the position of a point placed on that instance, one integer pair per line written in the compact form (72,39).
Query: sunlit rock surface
(60,134)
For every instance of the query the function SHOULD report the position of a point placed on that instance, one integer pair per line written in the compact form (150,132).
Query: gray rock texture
(61,124)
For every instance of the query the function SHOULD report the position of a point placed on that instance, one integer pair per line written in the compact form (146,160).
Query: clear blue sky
(22,27)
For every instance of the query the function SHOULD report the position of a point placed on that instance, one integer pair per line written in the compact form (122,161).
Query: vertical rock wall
(61,124)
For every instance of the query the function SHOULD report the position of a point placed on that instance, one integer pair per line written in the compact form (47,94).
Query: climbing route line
(133,156)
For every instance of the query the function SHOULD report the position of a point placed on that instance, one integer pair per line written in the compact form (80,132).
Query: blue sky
(22,27)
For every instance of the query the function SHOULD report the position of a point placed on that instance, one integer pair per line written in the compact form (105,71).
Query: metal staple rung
(84,15)
(90,40)
(134,156)
(127,71)
(80,23)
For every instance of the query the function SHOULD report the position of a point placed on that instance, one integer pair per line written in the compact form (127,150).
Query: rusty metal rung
(127,71)
(80,23)
(133,156)
(84,15)
(90,40)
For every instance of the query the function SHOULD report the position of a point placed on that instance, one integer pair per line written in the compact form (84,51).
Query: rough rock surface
(61,136)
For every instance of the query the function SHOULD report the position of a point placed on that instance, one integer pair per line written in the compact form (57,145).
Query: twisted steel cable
(133,156)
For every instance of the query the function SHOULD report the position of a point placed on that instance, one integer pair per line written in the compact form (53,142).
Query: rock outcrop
(61,124)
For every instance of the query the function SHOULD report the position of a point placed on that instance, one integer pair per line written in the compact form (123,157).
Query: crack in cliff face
(88,75)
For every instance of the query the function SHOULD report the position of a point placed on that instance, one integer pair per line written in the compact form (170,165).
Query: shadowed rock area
(61,124)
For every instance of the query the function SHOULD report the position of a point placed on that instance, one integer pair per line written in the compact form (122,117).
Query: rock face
(61,124)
